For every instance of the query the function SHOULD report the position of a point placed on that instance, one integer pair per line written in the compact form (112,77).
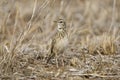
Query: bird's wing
(52,46)
(52,54)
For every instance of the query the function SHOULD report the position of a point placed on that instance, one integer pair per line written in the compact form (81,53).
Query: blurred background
(26,26)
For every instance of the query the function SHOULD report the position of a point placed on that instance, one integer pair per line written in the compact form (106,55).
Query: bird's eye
(60,22)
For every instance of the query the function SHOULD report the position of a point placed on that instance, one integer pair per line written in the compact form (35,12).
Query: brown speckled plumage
(59,41)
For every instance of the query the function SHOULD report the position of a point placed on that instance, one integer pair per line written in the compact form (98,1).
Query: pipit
(59,41)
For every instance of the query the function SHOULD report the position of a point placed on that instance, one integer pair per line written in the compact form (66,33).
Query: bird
(59,41)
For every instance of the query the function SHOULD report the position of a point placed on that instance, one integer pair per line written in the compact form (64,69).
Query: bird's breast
(62,43)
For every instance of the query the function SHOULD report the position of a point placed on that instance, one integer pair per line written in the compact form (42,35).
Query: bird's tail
(50,57)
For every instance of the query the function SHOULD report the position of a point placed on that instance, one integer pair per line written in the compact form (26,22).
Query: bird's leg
(63,60)
(56,59)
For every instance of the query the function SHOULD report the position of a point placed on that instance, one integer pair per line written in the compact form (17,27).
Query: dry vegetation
(26,27)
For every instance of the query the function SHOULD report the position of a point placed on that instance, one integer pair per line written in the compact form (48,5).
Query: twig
(113,15)
(94,75)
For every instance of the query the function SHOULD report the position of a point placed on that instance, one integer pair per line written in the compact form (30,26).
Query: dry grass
(94,34)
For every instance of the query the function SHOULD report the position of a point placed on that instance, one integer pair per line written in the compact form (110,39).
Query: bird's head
(61,25)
